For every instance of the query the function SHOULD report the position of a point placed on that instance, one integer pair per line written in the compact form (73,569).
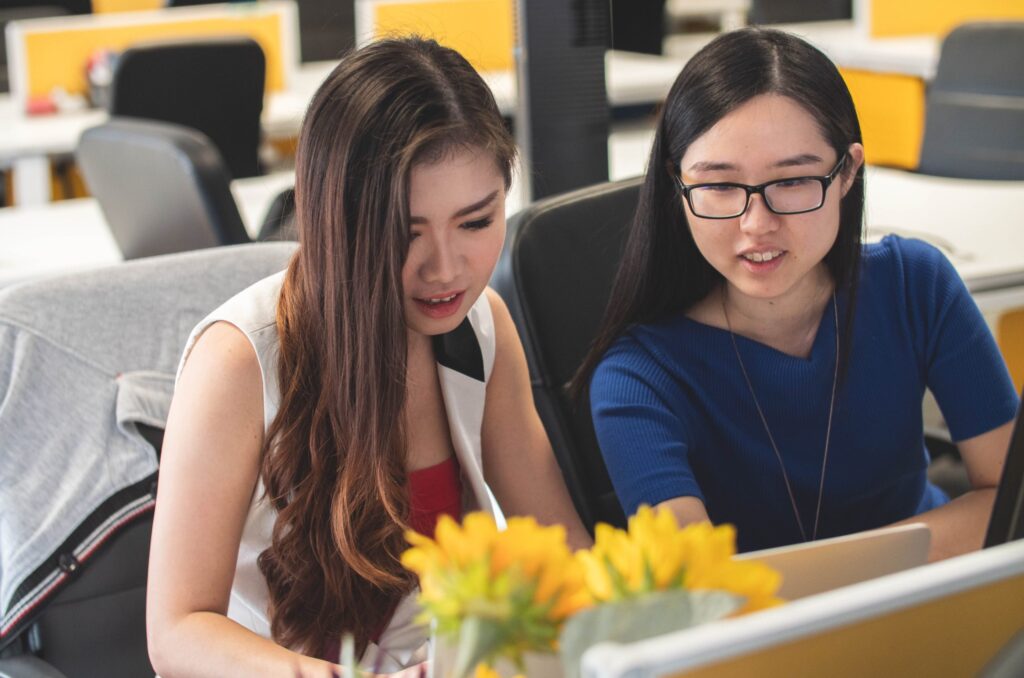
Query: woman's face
(761,254)
(457,228)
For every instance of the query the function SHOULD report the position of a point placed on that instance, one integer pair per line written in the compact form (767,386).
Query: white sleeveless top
(465,358)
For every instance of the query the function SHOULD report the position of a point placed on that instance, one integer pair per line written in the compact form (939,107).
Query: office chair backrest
(974,125)
(556,274)
(163,188)
(214,85)
(87,365)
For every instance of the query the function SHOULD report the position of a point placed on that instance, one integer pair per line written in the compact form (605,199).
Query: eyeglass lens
(790,196)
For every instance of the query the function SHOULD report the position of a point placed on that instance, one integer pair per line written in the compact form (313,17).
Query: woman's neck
(788,324)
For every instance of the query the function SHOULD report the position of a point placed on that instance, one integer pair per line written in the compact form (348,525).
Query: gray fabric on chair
(84,360)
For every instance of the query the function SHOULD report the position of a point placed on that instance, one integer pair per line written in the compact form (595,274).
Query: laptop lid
(826,564)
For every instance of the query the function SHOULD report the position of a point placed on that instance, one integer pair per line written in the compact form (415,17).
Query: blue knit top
(675,417)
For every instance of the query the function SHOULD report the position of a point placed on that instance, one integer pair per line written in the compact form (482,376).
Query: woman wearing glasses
(758,364)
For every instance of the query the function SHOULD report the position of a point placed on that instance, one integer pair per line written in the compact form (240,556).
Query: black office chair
(213,85)
(556,274)
(87,365)
(974,126)
(162,187)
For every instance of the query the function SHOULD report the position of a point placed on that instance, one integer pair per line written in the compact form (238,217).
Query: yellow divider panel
(480,30)
(57,58)
(952,636)
(936,17)
(104,6)
(1010,336)
(891,112)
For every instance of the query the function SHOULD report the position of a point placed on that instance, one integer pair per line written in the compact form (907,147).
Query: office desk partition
(28,142)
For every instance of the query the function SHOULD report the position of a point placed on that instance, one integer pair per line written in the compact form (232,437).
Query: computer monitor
(1007,521)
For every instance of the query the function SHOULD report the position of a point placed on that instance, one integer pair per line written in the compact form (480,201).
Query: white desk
(27,143)
(73,234)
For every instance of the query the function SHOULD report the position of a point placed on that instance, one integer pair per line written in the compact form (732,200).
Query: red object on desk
(42,104)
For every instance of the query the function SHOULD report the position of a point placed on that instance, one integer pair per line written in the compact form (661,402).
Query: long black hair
(662,272)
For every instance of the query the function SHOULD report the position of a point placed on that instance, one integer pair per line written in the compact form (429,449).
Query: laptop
(826,564)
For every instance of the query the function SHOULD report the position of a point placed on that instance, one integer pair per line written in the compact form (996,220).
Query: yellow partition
(1010,336)
(951,636)
(483,31)
(104,6)
(891,109)
(53,52)
(889,18)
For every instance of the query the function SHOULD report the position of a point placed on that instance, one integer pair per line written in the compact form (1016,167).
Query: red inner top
(434,491)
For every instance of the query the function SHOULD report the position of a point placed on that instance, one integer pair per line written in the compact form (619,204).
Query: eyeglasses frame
(825,181)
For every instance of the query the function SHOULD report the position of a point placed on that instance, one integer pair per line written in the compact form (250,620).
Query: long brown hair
(334,461)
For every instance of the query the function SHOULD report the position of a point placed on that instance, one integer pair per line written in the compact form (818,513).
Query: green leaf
(634,619)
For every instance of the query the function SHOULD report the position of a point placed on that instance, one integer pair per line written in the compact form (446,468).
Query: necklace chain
(771,438)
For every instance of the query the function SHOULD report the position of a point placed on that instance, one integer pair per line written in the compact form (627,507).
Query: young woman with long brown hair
(370,387)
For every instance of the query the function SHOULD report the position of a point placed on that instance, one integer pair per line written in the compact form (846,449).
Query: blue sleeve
(961,361)
(635,407)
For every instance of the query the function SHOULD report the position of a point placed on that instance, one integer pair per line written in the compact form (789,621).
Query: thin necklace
(771,438)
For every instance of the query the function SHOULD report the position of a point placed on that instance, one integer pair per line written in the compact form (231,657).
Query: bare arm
(959,526)
(208,471)
(519,464)
(686,509)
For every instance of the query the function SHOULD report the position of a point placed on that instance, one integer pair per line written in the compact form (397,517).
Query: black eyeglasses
(727,200)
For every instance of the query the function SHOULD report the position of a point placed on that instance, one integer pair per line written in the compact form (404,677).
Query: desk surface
(73,234)
(973,222)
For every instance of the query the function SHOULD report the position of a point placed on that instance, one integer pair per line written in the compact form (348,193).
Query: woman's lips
(440,306)
(769,260)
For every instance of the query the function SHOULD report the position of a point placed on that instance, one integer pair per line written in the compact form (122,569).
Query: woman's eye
(413,235)
(478,224)
(793,183)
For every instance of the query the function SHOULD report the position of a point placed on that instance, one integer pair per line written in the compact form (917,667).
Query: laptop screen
(1007,522)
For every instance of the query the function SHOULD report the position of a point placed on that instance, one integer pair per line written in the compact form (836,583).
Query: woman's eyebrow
(468,209)
(799,160)
(716,166)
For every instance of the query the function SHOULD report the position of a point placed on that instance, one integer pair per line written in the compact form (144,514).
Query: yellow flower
(654,554)
(523,580)
(485,671)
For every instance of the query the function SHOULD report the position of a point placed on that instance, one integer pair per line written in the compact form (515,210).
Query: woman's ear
(855,153)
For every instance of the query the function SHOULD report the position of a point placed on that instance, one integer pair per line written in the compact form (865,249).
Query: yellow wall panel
(57,58)
(891,18)
(952,636)
(891,111)
(104,6)
(481,30)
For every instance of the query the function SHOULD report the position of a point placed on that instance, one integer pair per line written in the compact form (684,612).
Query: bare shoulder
(505,333)
(220,390)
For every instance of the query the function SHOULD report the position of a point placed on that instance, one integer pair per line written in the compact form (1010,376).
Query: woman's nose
(758,218)
(441,264)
